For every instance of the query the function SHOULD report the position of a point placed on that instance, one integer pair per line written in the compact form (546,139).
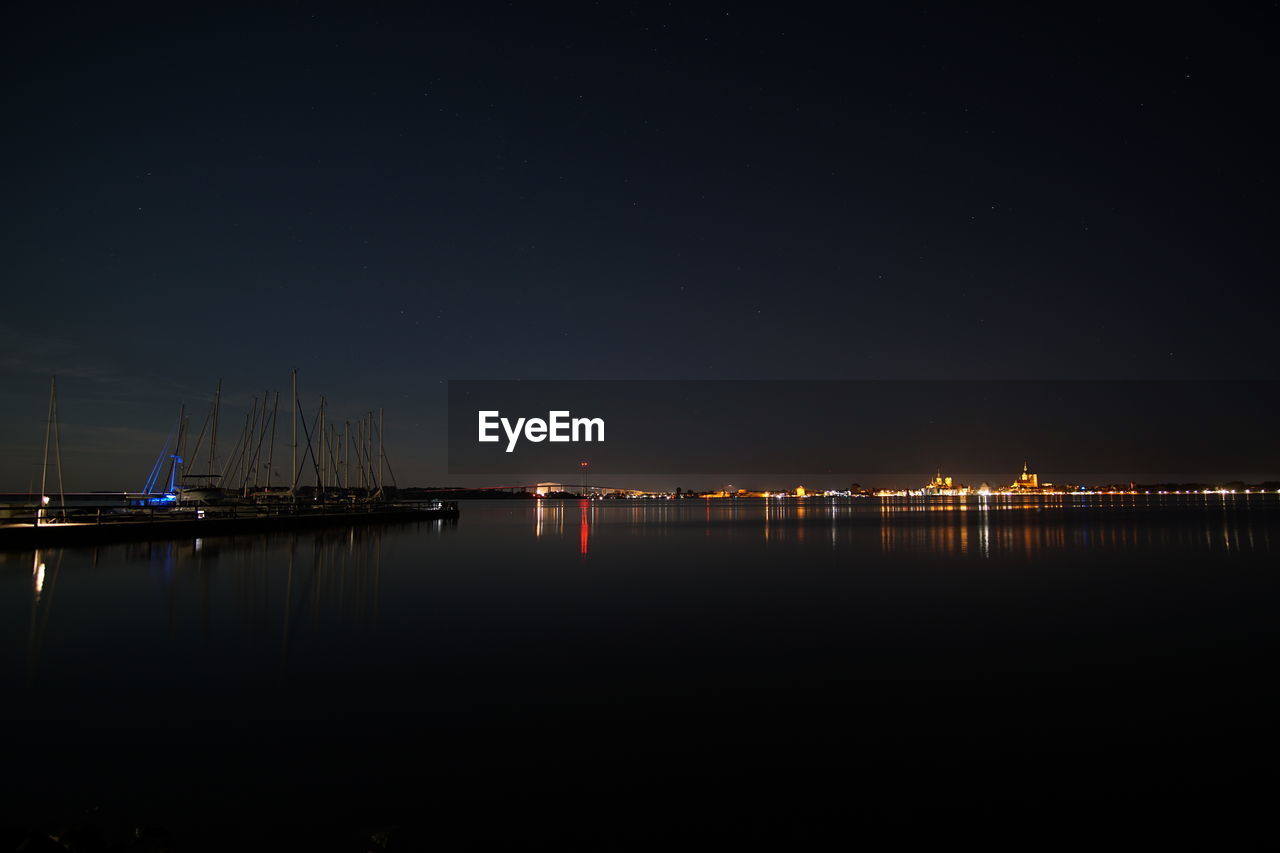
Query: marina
(336,476)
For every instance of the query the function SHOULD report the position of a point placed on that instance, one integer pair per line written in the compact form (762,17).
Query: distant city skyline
(636,460)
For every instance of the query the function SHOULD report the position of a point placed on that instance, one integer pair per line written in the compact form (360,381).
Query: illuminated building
(941,485)
(1026,480)
(1029,481)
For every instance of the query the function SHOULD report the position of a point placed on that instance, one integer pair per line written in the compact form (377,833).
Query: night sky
(388,199)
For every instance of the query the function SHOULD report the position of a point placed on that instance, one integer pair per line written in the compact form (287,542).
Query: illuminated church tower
(1027,480)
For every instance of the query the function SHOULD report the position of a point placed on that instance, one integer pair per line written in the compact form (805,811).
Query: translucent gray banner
(532,428)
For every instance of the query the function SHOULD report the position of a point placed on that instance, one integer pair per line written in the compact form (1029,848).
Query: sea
(632,674)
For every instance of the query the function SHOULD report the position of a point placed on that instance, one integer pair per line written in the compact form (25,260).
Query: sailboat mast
(57,455)
(213,439)
(293,460)
(320,433)
(271,453)
(244,449)
(48,430)
(260,432)
(177,448)
(183,430)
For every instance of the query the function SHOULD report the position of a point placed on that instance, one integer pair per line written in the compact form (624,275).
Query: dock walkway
(209,521)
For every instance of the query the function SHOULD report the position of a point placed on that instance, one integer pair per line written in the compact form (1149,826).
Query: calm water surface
(639,669)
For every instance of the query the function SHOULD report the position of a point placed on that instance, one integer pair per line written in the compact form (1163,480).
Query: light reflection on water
(629,634)
(266,596)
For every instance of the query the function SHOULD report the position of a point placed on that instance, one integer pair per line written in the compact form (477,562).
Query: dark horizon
(701,434)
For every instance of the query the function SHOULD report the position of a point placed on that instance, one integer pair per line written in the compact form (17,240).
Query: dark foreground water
(621,675)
